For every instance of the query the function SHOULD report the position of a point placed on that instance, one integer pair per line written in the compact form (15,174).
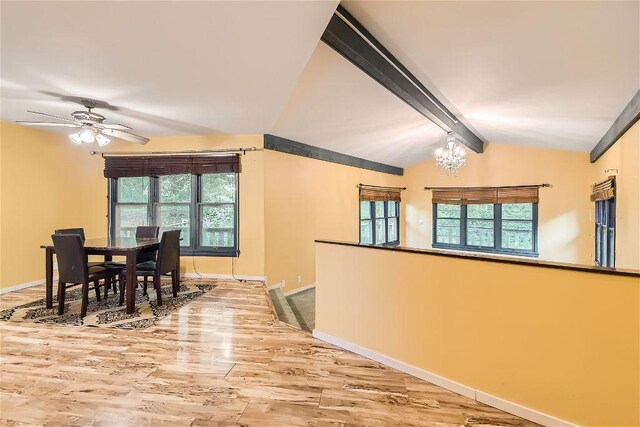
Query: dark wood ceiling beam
(350,39)
(629,116)
(283,145)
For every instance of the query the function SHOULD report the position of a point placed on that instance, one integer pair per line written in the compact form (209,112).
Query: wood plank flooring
(220,360)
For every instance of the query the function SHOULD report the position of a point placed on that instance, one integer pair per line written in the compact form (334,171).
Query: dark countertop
(493,258)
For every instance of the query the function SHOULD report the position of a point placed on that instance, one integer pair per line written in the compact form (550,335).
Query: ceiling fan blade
(69,125)
(116,126)
(52,116)
(126,136)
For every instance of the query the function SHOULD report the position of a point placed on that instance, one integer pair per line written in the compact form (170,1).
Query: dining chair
(144,232)
(80,232)
(73,269)
(166,262)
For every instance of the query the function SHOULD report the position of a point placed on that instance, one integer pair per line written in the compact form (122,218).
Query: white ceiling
(171,67)
(338,107)
(547,74)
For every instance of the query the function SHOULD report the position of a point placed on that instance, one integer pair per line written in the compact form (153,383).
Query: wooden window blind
(485,195)
(448,197)
(518,195)
(131,166)
(380,194)
(603,190)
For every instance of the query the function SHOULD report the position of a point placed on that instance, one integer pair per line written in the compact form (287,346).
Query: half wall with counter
(554,343)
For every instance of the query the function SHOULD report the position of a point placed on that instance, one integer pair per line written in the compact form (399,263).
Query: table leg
(48,261)
(108,258)
(131,282)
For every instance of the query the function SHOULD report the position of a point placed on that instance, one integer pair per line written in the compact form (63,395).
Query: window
(379,222)
(603,194)
(605,233)
(203,206)
(509,228)
(133,207)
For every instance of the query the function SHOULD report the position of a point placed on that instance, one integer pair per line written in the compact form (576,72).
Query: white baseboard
(22,286)
(521,411)
(276,286)
(464,390)
(304,288)
(224,277)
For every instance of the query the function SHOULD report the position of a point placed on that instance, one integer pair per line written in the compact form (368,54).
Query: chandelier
(451,157)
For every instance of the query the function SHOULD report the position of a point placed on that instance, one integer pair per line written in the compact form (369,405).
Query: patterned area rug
(107,313)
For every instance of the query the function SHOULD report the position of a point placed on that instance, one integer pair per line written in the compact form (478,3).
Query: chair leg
(156,284)
(114,281)
(121,279)
(62,288)
(96,287)
(85,299)
(107,285)
(144,287)
(174,282)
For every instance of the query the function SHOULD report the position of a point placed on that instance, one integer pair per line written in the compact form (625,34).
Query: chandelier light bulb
(87,136)
(75,137)
(102,140)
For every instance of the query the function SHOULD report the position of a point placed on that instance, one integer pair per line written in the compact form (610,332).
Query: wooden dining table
(129,247)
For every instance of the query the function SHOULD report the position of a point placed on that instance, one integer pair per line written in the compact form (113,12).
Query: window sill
(489,251)
(208,253)
(381,244)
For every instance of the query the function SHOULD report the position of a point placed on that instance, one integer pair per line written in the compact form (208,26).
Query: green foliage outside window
(175,207)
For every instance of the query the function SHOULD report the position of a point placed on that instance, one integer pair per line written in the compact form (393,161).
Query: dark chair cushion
(98,272)
(147,268)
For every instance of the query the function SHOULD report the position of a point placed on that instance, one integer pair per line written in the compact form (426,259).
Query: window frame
(373,218)
(112,194)
(195,248)
(497,233)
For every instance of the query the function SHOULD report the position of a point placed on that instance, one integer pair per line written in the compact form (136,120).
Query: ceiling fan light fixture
(88,136)
(75,137)
(91,127)
(102,140)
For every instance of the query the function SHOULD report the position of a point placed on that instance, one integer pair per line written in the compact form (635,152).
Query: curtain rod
(144,153)
(482,188)
(378,186)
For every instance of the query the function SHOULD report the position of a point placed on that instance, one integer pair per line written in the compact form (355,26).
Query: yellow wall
(625,157)
(43,187)
(565,227)
(307,199)
(561,342)
(286,201)
(48,183)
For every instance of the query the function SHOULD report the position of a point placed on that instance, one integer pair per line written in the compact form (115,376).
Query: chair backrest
(168,252)
(72,258)
(78,231)
(147,231)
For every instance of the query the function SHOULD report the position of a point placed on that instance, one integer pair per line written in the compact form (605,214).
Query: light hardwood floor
(222,359)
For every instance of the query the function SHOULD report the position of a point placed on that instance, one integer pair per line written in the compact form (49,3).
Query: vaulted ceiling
(169,67)
(546,74)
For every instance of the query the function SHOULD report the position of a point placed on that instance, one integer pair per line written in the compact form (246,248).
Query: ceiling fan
(92,127)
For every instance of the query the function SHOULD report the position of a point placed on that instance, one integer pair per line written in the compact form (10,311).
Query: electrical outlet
(299,279)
